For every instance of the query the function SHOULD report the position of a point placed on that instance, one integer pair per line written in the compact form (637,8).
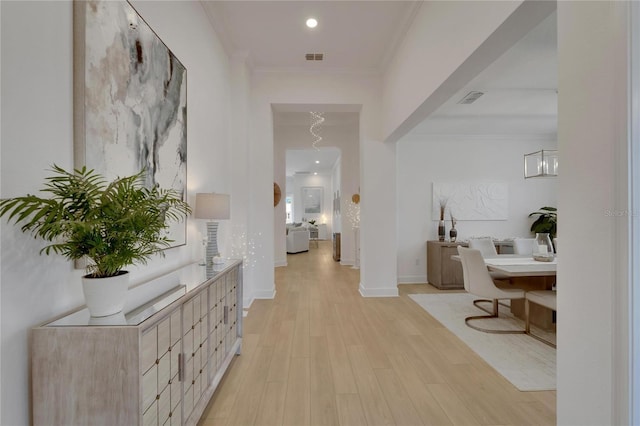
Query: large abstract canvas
(312,199)
(471,201)
(130,100)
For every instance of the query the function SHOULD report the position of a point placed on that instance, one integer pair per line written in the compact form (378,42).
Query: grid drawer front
(187,342)
(230,337)
(164,336)
(164,406)
(187,316)
(188,373)
(199,379)
(196,319)
(175,418)
(174,361)
(149,388)
(164,372)
(216,346)
(176,397)
(150,417)
(149,348)
(175,327)
(214,296)
(161,346)
(188,400)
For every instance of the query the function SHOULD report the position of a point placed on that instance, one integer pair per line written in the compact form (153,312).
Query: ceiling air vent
(303,173)
(314,56)
(470,98)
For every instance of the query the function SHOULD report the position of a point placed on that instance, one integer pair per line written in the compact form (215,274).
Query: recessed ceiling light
(315,173)
(317,161)
(312,22)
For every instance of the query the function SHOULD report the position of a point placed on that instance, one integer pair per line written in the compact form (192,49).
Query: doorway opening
(318,174)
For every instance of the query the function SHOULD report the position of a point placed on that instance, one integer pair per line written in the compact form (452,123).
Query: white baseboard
(347,262)
(378,292)
(265,294)
(246,304)
(412,279)
(280,263)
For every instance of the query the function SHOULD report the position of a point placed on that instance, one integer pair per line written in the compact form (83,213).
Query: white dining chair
(488,250)
(478,282)
(485,245)
(523,246)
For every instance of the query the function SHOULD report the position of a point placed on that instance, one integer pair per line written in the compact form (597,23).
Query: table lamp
(212,207)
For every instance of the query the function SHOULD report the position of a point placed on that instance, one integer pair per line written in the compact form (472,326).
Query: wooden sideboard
(156,365)
(443,272)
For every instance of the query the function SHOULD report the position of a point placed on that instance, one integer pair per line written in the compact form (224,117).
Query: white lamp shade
(212,206)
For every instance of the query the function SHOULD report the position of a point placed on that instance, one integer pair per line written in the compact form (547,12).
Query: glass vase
(542,247)
(453,235)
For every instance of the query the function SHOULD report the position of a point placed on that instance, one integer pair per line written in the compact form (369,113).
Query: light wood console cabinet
(442,271)
(157,365)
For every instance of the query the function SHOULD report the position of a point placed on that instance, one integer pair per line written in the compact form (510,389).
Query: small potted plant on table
(113,225)
(546,224)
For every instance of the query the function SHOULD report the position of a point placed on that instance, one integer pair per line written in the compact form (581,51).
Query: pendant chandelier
(317,118)
(543,163)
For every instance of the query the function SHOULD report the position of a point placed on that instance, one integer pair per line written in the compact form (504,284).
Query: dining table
(513,265)
(517,265)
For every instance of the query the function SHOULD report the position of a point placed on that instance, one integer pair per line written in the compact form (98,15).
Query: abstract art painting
(130,100)
(312,199)
(471,201)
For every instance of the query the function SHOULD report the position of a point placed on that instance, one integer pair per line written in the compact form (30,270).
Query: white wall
(456,159)
(0,244)
(336,217)
(239,245)
(593,285)
(36,132)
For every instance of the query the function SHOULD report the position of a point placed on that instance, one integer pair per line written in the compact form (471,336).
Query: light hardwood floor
(320,354)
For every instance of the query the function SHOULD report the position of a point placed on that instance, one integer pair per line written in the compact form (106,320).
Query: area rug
(527,363)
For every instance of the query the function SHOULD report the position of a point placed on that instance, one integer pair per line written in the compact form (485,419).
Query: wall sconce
(542,163)
(212,206)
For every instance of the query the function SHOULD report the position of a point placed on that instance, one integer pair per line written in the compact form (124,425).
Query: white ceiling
(520,93)
(355,36)
(303,161)
(519,88)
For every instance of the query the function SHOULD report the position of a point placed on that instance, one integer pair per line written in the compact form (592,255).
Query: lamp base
(212,242)
(203,261)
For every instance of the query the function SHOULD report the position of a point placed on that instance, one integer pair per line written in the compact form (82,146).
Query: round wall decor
(355,198)
(277,194)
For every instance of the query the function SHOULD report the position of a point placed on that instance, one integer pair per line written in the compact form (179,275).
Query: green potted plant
(112,225)
(546,222)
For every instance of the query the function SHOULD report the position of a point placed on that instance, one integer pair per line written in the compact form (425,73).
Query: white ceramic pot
(105,296)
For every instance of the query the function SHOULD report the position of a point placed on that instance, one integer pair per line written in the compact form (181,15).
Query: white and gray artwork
(471,201)
(134,100)
(312,199)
